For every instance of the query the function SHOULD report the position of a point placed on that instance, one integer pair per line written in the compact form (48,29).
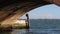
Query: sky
(45,12)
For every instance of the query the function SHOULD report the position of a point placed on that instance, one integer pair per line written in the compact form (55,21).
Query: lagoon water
(39,26)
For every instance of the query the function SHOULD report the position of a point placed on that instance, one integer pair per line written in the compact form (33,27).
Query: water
(41,26)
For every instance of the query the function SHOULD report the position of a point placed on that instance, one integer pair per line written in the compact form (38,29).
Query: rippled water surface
(41,26)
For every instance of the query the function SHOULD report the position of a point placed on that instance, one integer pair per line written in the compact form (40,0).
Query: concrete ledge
(16,24)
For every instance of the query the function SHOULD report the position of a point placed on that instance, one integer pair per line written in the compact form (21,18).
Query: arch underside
(12,11)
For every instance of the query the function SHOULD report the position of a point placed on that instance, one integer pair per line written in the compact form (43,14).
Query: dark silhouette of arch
(9,8)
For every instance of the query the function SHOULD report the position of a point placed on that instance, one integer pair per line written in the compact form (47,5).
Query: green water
(41,26)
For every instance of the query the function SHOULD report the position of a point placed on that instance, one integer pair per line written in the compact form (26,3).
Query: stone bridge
(13,9)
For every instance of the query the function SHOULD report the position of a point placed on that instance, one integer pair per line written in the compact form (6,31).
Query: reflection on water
(5,32)
(15,31)
(19,31)
(33,31)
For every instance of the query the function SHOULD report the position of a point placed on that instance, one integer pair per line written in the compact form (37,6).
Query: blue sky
(45,12)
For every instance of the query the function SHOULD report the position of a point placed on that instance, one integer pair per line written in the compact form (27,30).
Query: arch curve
(14,9)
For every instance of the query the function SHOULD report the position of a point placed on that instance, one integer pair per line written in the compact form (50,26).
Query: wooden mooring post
(28,21)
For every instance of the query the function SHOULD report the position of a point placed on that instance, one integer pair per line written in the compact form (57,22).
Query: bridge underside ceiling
(13,8)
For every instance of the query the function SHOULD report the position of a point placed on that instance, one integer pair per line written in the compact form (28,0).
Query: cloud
(49,16)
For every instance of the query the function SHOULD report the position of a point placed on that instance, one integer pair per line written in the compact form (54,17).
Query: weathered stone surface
(57,2)
(14,24)
(7,12)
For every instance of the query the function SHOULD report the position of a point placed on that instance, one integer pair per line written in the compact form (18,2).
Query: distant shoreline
(43,19)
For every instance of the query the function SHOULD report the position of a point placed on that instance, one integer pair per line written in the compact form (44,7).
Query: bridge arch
(19,9)
(38,11)
(15,10)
